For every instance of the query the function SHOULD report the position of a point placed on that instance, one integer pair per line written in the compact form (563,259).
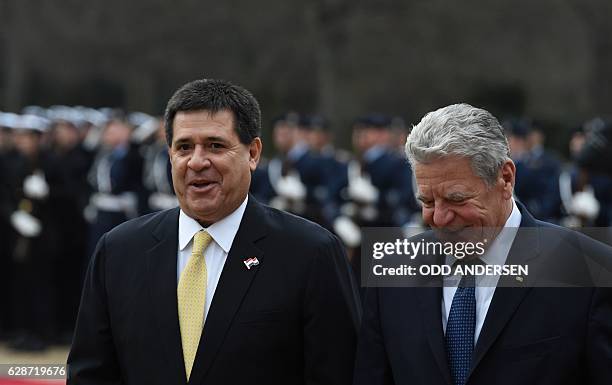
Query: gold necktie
(191,295)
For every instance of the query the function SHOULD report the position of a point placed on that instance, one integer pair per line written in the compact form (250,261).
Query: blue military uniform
(378,186)
(537,174)
(538,185)
(297,181)
(391,176)
(157,179)
(115,178)
(300,168)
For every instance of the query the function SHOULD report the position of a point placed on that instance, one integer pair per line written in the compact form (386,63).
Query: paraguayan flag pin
(250,262)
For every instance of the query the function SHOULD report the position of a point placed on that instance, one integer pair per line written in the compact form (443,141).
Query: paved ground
(31,382)
(53,355)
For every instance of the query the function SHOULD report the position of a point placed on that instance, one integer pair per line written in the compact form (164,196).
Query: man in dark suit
(501,333)
(222,290)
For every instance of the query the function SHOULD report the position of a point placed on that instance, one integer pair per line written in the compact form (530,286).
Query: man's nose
(199,159)
(442,216)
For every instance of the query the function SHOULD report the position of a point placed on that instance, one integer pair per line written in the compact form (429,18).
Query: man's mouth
(202,185)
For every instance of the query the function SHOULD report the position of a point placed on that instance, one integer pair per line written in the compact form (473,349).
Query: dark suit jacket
(290,320)
(540,335)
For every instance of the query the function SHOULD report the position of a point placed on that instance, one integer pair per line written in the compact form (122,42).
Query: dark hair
(216,95)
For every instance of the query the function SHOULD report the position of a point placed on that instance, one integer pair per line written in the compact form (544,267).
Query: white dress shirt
(222,232)
(496,254)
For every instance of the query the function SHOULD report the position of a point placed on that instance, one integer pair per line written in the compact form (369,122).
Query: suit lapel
(430,299)
(233,285)
(509,293)
(161,269)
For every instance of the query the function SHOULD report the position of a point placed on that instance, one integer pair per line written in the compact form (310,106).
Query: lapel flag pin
(250,262)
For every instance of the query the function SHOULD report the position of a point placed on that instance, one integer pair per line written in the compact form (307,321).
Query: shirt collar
(222,232)
(497,253)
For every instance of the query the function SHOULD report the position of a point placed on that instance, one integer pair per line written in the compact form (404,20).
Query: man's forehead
(223,114)
(203,119)
(443,166)
(202,125)
(446,177)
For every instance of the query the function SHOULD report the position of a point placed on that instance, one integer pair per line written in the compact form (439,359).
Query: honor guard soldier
(69,163)
(266,184)
(279,182)
(546,168)
(378,184)
(115,178)
(314,157)
(586,187)
(32,287)
(332,168)
(537,171)
(156,173)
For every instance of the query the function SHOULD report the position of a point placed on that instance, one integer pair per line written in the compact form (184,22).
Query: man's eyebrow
(181,141)
(457,196)
(422,198)
(208,139)
(216,139)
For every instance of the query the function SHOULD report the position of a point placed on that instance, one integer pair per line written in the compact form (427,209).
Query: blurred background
(550,59)
(340,83)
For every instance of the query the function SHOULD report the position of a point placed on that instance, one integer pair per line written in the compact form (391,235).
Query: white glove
(162,201)
(25,224)
(348,231)
(585,204)
(362,190)
(93,138)
(291,187)
(35,186)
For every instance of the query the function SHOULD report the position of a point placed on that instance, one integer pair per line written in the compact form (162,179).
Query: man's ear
(507,177)
(254,153)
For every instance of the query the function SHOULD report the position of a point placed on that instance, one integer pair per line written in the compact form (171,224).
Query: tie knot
(468,279)
(200,241)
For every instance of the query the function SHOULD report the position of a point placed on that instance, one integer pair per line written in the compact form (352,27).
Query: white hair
(460,130)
